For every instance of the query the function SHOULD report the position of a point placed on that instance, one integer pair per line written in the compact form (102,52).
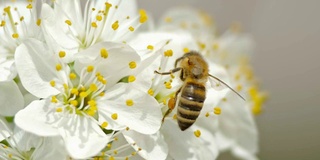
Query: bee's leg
(170,72)
(171,104)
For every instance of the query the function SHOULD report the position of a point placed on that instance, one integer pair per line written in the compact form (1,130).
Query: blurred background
(286,60)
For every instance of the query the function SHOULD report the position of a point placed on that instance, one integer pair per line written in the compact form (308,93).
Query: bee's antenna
(227,86)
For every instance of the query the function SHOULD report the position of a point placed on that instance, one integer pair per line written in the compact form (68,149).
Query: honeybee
(194,74)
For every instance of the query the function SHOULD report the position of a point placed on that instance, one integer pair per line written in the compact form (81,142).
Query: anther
(168,53)
(38,22)
(62,54)
(94,25)
(186,50)
(59,109)
(74,103)
(58,67)
(98,18)
(131,78)
(129,102)
(29,6)
(53,83)
(90,68)
(104,53)
(150,92)
(131,28)
(217,110)
(132,65)
(150,47)
(115,25)
(197,133)
(104,124)
(143,16)
(114,116)
(68,22)
(15,35)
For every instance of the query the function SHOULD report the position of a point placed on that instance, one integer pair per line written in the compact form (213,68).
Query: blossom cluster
(78,81)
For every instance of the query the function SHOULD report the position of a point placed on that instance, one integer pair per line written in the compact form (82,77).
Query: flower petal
(35,119)
(11,99)
(4,128)
(114,67)
(55,35)
(84,139)
(149,146)
(7,69)
(185,145)
(143,116)
(36,68)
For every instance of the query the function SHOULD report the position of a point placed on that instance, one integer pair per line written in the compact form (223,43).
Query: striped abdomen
(190,104)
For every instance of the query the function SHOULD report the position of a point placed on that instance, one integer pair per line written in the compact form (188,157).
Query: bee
(194,74)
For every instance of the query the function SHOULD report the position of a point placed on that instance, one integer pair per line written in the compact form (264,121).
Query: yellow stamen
(101,94)
(143,16)
(38,22)
(150,47)
(104,53)
(15,35)
(58,67)
(197,133)
(74,91)
(90,68)
(68,22)
(59,109)
(131,78)
(217,110)
(54,99)
(94,25)
(29,6)
(93,87)
(104,124)
(62,54)
(150,92)
(83,94)
(131,28)
(114,116)
(132,65)
(186,50)
(129,102)
(168,53)
(73,76)
(115,25)
(207,114)
(74,103)
(3,23)
(53,83)
(98,18)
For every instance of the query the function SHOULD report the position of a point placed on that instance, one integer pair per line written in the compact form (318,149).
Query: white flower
(163,87)
(23,145)
(11,99)
(70,27)
(19,21)
(80,99)
(236,119)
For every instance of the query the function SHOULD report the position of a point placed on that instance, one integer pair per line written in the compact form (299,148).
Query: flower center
(79,95)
